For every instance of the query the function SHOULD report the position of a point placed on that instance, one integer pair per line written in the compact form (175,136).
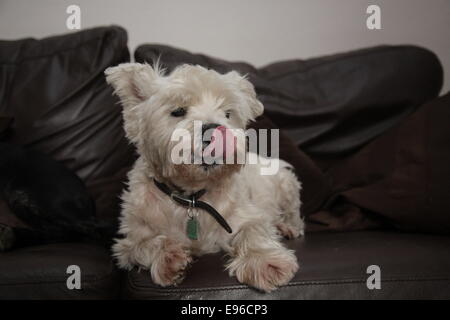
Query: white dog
(172,212)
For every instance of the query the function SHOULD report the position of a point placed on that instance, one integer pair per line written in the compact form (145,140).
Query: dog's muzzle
(218,142)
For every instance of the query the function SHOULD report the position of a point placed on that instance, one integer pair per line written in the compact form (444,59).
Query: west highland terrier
(173,211)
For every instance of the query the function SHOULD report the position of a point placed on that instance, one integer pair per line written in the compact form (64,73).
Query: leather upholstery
(40,272)
(56,93)
(54,99)
(332,266)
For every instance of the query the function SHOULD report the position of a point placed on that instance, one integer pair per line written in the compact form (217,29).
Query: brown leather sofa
(55,90)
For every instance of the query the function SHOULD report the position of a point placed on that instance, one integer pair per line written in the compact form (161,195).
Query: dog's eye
(228,114)
(179,112)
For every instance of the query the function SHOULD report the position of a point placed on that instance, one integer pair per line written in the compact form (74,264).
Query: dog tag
(192,228)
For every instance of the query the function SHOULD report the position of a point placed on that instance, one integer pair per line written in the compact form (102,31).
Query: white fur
(257,207)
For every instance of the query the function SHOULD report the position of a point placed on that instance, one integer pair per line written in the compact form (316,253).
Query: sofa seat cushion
(332,266)
(40,272)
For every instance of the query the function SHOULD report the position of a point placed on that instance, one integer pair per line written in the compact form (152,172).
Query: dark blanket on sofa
(401,178)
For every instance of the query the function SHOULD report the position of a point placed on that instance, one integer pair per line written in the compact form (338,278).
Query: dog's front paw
(289,231)
(265,270)
(170,268)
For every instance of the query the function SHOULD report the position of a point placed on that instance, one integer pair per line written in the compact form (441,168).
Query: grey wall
(259,31)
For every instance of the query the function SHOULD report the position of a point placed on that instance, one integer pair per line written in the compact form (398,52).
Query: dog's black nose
(207,126)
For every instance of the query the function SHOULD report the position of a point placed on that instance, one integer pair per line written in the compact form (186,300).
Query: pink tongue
(222,142)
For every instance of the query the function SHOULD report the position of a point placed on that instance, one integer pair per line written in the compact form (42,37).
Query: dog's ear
(254,107)
(132,82)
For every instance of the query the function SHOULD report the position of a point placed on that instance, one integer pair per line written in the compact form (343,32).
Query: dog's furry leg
(166,258)
(290,224)
(259,259)
(145,244)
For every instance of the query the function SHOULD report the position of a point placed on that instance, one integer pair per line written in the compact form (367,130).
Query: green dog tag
(192,228)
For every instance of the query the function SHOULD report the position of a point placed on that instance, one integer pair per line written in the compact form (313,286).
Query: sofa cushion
(331,105)
(345,100)
(332,266)
(40,272)
(55,91)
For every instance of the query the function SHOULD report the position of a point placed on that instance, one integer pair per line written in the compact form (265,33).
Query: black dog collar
(192,201)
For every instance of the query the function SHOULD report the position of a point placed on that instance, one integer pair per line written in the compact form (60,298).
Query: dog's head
(192,100)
